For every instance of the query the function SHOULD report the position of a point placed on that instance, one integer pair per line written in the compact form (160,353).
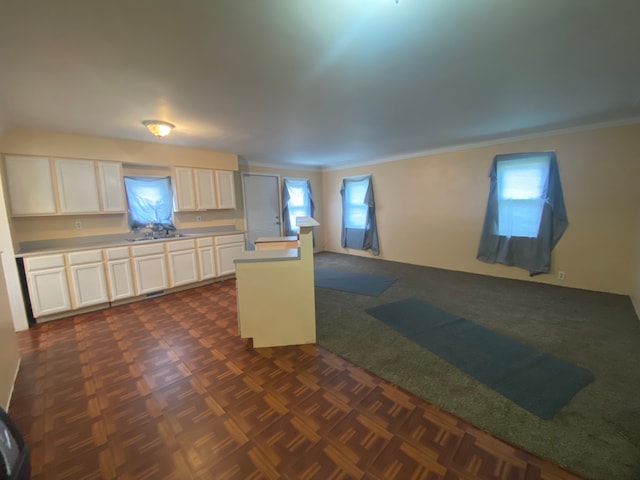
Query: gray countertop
(268,255)
(63,245)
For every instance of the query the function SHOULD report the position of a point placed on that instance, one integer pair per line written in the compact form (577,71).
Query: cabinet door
(205,189)
(89,284)
(151,273)
(185,198)
(120,281)
(226,189)
(77,186)
(49,292)
(30,185)
(182,267)
(111,186)
(225,256)
(207,263)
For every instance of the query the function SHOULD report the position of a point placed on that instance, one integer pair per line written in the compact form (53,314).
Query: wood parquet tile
(165,389)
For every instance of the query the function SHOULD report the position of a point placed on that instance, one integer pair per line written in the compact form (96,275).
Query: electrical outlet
(560,275)
(198,218)
(78,224)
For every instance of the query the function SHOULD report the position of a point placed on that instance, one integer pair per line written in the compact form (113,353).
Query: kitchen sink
(158,237)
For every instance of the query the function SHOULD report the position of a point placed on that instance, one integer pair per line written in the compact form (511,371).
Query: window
(358,214)
(150,200)
(525,215)
(297,202)
(522,186)
(355,206)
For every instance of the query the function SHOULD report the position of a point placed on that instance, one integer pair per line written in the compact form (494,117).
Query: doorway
(262,210)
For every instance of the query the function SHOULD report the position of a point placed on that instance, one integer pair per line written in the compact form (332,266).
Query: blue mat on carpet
(535,380)
(362,283)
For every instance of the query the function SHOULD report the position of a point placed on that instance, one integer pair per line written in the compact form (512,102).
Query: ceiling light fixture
(158,127)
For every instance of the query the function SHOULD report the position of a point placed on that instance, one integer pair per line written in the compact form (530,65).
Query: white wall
(11,276)
(12,314)
(9,355)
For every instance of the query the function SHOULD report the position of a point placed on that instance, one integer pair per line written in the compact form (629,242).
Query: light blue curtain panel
(359,230)
(297,201)
(525,216)
(150,200)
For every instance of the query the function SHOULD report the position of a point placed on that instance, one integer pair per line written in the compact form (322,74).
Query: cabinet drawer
(40,263)
(205,242)
(89,256)
(142,250)
(117,253)
(227,239)
(181,245)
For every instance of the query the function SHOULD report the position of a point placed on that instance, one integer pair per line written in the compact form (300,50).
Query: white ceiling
(319,82)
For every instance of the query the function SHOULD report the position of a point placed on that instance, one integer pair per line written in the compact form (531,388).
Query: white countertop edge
(268,255)
(306,222)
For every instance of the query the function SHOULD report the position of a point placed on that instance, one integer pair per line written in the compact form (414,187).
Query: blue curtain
(359,230)
(150,200)
(297,201)
(525,187)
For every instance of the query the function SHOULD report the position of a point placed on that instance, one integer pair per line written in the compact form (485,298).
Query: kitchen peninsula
(276,299)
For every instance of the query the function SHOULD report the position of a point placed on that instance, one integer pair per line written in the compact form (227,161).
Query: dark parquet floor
(164,388)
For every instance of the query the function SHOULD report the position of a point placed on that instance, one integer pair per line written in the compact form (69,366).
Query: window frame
(520,211)
(289,219)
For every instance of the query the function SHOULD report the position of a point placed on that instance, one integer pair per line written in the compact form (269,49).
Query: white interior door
(261,206)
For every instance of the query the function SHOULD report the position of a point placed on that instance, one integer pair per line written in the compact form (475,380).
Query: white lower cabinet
(87,278)
(183,268)
(206,258)
(62,282)
(150,268)
(119,273)
(228,248)
(47,283)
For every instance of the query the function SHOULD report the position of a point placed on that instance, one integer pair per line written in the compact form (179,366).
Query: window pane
(296,197)
(356,216)
(356,192)
(150,200)
(522,179)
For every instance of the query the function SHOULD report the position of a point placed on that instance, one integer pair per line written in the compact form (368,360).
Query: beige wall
(430,209)
(150,159)
(9,356)
(53,144)
(314,176)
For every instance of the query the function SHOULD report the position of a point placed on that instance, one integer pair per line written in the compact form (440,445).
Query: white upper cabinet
(77,186)
(30,185)
(40,186)
(111,186)
(226,189)
(205,189)
(184,191)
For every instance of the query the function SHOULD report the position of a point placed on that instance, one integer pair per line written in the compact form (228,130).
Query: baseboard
(636,305)
(13,384)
